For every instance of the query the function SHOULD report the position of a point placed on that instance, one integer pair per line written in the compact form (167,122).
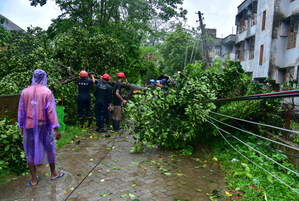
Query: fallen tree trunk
(133,89)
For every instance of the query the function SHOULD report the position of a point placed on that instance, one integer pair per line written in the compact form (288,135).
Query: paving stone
(150,183)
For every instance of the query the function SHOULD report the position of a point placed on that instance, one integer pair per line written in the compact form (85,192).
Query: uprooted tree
(173,120)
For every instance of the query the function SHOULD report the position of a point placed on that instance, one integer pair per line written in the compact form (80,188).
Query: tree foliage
(173,51)
(98,53)
(175,119)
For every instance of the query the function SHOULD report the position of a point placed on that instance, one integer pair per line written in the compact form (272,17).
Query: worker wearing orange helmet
(83,101)
(102,92)
(117,100)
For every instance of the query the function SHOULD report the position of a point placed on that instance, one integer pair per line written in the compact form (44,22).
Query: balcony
(231,39)
(246,4)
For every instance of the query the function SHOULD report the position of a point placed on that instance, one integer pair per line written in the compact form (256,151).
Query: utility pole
(205,45)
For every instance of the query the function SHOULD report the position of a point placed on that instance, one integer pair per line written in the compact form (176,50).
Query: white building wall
(263,37)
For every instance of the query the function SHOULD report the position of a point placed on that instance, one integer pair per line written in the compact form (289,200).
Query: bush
(12,155)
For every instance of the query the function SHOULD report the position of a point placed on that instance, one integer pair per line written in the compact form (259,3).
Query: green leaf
(133,185)
(116,168)
(7,148)
(132,195)
(198,190)
(124,195)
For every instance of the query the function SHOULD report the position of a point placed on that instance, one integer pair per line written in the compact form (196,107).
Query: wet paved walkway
(139,174)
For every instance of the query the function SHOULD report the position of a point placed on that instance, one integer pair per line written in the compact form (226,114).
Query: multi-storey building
(266,41)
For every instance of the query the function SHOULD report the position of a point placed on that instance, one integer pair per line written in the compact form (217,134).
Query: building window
(240,52)
(264,21)
(242,26)
(292,34)
(251,48)
(261,54)
(253,19)
(218,50)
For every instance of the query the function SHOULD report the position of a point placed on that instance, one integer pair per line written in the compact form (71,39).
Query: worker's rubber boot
(114,125)
(89,122)
(81,122)
(118,128)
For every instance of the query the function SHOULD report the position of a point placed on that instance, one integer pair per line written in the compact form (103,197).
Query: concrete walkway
(139,174)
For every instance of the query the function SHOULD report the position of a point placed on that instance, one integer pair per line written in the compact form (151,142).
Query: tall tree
(99,12)
(174,49)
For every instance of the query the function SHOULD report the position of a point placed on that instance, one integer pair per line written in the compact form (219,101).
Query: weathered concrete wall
(11,103)
(263,37)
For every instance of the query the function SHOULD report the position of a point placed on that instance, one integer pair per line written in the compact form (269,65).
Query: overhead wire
(192,52)
(296,173)
(270,148)
(196,52)
(255,134)
(252,122)
(248,158)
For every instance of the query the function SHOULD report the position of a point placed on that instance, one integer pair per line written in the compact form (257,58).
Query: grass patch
(6,176)
(246,180)
(71,132)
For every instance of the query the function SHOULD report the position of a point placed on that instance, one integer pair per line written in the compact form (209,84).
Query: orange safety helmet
(121,75)
(106,76)
(83,73)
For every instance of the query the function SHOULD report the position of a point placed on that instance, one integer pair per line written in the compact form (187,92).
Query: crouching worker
(102,92)
(37,119)
(83,100)
(117,100)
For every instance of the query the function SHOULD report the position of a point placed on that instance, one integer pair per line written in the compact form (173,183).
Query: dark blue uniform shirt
(102,92)
(84,89)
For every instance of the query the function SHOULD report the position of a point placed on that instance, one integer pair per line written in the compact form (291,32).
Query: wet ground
(120,173)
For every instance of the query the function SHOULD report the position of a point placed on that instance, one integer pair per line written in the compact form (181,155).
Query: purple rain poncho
(37,117)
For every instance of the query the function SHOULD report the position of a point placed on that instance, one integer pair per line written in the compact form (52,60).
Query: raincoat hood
(39,77)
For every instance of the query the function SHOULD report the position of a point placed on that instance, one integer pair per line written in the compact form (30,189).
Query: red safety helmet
(121,75)
(83,73)
(106,76)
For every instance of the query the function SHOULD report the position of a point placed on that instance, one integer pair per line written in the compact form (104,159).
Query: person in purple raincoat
(37,119)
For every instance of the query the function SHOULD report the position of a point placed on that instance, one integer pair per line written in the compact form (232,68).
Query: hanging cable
(270,148)
(255,134)
(249,159)
(257,150)
(91,170)
(192,52)
(196,51)
(252,122)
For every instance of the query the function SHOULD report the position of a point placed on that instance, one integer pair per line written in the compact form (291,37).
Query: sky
(219,14)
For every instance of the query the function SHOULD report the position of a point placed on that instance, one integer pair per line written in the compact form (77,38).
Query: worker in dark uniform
(83,100)
(102,92)
(117,100)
